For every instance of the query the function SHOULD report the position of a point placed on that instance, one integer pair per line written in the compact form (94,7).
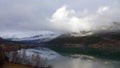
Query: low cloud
(18,16)
(69,20)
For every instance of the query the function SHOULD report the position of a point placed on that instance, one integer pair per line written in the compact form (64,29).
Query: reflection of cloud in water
(77,63)
(85,63)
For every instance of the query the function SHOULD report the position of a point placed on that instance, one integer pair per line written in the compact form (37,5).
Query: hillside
(88,40)
(99,45)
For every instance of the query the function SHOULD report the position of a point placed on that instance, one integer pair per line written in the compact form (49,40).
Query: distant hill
(102,45)
(31,37)
(110,40)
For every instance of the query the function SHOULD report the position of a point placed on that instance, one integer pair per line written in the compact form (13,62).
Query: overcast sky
(57,15)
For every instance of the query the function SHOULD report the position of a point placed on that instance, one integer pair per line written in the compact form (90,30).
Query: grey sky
(34,15)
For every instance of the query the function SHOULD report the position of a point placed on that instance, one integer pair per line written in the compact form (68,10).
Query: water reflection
(84,62)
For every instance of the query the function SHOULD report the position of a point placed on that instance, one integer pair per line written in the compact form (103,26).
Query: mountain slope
(33,38)
(104,40)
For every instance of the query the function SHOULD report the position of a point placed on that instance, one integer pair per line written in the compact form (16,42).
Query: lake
(84,61)
(57,60)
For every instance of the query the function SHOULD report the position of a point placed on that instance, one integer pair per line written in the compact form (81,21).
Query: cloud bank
(17,16)
(104,18)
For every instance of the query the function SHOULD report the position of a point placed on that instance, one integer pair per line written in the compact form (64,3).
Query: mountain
(100,40)
(33,38)
(101,45)
(36,38)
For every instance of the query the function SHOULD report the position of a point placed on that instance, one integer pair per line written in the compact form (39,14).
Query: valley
(100,47)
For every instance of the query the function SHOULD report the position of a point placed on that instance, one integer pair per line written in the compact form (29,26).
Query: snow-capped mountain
(41,37)
(31,37)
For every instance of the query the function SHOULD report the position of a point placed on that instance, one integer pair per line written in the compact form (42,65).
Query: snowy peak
(44,37)
(37,37)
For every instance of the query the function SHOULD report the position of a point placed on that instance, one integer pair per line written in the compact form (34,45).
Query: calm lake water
(72,61)
(83,61)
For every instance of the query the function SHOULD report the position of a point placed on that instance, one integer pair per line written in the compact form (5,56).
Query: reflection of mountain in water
(83,61)
(33,56)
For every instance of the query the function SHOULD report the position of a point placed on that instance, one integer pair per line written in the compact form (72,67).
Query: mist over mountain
(60,33)
(59,16)
(105,18)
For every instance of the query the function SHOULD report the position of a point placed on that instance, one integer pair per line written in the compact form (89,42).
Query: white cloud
(103,9)
(31,15)
(68,20)
(65,19)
